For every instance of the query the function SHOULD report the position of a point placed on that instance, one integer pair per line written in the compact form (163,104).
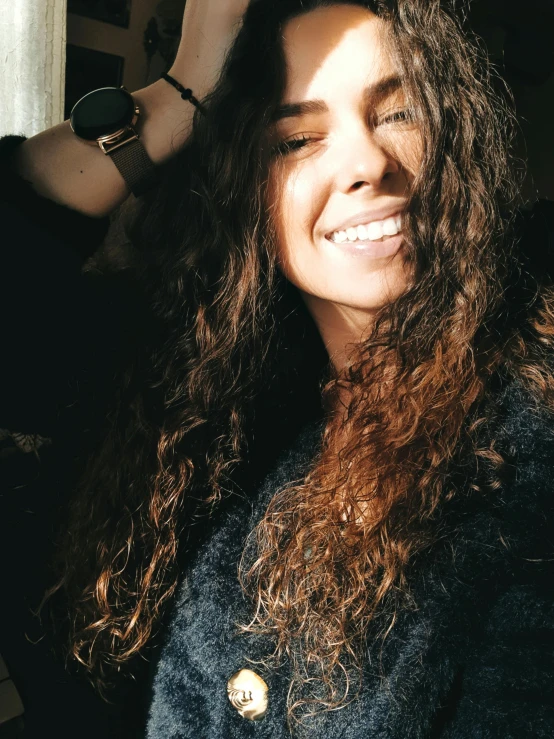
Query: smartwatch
(106,118)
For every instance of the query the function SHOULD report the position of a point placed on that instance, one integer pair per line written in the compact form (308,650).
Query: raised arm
(69,171)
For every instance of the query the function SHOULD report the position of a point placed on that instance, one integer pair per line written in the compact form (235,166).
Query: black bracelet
(186,93)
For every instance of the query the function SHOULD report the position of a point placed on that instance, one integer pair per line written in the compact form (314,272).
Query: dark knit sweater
(476,659)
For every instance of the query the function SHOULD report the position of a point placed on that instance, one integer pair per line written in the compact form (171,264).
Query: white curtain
(32,69)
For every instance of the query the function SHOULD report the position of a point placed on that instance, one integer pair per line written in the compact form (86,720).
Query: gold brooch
(248,694)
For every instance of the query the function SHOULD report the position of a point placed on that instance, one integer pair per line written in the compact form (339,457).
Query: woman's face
(346,151)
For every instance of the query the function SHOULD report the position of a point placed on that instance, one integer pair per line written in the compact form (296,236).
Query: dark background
(520,40)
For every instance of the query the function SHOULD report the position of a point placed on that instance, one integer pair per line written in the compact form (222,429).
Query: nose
(364,161)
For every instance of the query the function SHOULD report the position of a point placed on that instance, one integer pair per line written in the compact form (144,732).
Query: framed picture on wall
(116,12)
(87,70)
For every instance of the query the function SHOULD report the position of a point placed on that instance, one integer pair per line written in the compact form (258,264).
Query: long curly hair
(231,345)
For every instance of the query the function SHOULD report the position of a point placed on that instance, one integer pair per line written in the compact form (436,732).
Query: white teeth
(375,230)
(370,231)
(389,227)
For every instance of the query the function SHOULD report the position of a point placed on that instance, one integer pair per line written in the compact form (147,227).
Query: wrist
(165,120)
(198,64)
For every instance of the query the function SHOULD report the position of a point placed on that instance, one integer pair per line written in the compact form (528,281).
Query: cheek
(410,152)
(405,148)
(296,199)
(413,153)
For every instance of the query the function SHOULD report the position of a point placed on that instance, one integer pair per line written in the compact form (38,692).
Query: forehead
(336,47)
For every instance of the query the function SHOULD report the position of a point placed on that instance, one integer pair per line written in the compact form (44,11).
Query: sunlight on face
(345,151)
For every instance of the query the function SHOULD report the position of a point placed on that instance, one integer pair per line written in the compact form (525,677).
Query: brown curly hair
(229,347)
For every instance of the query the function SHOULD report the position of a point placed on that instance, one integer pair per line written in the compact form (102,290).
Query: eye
(293,144)
(406,115)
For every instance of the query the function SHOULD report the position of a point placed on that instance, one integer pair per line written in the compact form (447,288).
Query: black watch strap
(135,166)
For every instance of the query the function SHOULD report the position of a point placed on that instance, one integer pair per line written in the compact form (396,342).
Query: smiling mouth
(385,247)
(361,242)
(373,232)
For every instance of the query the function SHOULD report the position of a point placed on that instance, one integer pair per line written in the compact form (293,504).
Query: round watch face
(102,112)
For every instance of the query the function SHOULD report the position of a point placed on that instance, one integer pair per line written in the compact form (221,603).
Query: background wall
(535,109)
(33,65)
(111,39)
(520,40)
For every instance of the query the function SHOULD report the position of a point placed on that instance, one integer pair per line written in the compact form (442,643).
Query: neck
(341,328)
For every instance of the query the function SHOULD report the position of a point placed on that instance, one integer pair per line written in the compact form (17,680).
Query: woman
(333,273)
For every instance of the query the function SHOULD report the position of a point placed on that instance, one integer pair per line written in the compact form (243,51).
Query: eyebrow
(374,92)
